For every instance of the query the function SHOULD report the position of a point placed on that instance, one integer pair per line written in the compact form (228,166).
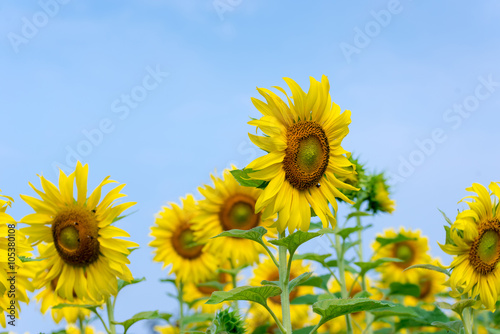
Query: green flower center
(306,155)
(404,252)
(237,212)
(309,154)
(68,238)
(184,243)
(488,247)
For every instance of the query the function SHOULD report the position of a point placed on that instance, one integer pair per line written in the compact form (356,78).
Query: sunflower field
(249,167)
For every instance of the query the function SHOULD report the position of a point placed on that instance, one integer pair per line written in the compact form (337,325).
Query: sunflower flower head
(83,251)
(358,180)
(474,240)
(378,195)
(304,157)
(226,206)
(175,244)
(11,237)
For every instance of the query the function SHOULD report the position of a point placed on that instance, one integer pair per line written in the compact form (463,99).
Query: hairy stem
(284,284)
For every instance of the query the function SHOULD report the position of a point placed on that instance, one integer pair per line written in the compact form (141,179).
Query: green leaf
(317,281)
(305,330)
(404,289)
(459,306)
(395,310)
(315,225)
(256,294)
(294,240)
(142,316)
(362,294)
(320,258)
(232,271)
(350,244)
(212,284)
(493,331)
(29,259)
(367,266)
(387,241)
(122,283)
(332,308)
(424,318)
(242,177)
(358,214)
(254,234)
(454,326)
(429,267)
(345,232)
(305,300)
(197,317)
(275,283)
(298,280)
(334,264)
(124,216)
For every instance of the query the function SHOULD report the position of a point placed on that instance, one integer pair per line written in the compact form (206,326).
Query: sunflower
(175,244)
(378,195)
(229,206)
(411,252)
(268,271)
(475,242)
(82,253)
(199,293)
(168,329)
(12,270)
(304,157)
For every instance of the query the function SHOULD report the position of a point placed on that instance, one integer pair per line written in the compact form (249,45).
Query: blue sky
(423,87)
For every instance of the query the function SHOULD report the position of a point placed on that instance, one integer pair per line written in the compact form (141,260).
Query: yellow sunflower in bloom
(304,155)
(175,243)
(49,298)
(411,252)
(201,292)
(268,271)
(83,252)
(15,275)
(72,329)
(228,206)
(476,245)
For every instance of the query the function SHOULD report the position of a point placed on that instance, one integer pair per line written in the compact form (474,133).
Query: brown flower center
(184,243)
(238,212)
(306,155)
(75,234)
(425,284)
(485,250)
(404,252)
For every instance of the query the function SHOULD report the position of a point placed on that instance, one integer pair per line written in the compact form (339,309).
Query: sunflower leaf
(387,241)
(197,317)
(423,318)
(429,267)
(367,266)
(147,315)
(305,300)
(212,284)
(448,220)
(320,258)
(297,238)
(122,283)
(459,306)
(332,308)
(298,280)
(395,310)
(358,214)
(256,294)
(29,259)
(404,289)
(305,330)
(242,177)
(345,232)
(317,281)
(454,326)
(254,234)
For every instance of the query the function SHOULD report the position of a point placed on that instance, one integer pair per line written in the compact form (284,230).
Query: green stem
(467,320)
(369,316)
(270,255)
(285,294)
(314,329)
(343,287)
(103,322)
(233,279)
(278,323)
(80,324)
(181,306)
(111,315)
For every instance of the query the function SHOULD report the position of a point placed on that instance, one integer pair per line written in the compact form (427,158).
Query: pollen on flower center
(485,251)
(184,243)
(238,212)
(306,155)
(75,234)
